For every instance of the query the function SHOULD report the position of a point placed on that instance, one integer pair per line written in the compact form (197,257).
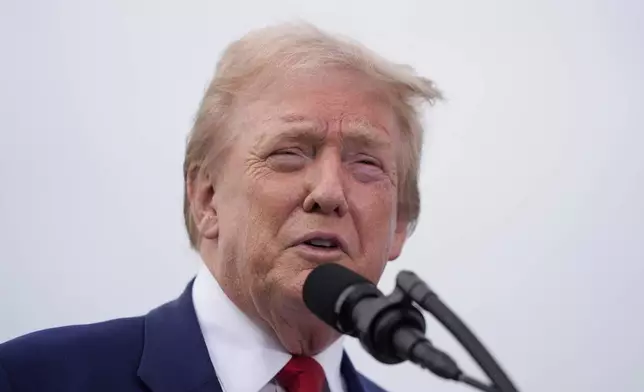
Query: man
(305,150)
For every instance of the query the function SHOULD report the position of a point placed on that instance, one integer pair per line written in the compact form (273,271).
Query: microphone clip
(375,322)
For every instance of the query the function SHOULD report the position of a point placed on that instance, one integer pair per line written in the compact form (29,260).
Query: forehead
(315,103)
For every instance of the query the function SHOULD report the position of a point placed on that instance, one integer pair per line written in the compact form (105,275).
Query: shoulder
(76,340)
(68,352)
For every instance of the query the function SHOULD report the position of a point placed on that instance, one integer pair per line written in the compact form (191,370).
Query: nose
(326,189)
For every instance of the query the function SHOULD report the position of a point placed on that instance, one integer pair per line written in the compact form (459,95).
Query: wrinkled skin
(313,152)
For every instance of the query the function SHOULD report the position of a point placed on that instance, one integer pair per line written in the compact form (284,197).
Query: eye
(286,160)
(368,161)
(290,151)
(367,169)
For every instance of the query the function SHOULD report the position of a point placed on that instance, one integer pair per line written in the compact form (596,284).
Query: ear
(399,237)
(200,190)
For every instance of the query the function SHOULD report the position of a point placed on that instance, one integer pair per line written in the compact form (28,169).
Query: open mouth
(320,243)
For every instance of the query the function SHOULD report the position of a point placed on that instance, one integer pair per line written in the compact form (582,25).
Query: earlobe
(209,225)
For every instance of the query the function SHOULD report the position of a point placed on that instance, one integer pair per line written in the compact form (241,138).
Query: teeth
(320,242)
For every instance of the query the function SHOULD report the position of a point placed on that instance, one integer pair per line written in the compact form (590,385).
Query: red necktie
(302,374)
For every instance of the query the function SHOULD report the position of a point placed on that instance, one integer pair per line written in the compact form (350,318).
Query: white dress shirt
(245,357)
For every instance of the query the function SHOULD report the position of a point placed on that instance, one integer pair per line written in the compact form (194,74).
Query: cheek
(270,201)
(377,204)
(273,193)
(377,228)
(375,219)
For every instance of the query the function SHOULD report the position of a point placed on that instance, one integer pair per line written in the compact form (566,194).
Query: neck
(287,320)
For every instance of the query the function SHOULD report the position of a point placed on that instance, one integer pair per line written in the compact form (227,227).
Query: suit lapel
(175,357)
(351,376)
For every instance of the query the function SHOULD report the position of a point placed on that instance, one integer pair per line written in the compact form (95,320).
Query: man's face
(310,179)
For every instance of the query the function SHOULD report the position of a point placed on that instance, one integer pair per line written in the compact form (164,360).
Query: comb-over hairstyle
(294,47)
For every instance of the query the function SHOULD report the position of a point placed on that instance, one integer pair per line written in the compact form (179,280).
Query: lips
(322,241)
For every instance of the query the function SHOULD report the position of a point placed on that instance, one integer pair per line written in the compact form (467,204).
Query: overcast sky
(532,224)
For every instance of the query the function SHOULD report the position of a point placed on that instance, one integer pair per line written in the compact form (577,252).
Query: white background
(532,185)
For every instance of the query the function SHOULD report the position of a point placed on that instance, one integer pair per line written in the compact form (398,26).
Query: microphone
(391,329)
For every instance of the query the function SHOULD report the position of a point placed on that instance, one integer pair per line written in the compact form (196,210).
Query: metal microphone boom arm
(417,289)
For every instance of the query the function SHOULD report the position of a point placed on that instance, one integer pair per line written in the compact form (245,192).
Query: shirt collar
(236,344)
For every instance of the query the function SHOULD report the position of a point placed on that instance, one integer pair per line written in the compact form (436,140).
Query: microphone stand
(410,287)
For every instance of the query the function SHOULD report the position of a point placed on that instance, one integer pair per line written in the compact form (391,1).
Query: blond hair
(295,47)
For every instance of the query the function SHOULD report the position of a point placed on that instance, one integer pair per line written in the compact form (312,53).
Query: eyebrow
(357,132)
(298,128)
(302,129)
(365,133)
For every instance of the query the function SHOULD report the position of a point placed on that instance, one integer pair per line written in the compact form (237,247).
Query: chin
(288,288)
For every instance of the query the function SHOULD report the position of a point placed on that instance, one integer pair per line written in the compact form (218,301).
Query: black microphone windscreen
(323,287)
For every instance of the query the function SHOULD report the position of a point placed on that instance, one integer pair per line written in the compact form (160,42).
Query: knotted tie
(302,374)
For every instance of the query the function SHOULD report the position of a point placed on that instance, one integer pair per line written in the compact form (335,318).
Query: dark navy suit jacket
(163,351)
